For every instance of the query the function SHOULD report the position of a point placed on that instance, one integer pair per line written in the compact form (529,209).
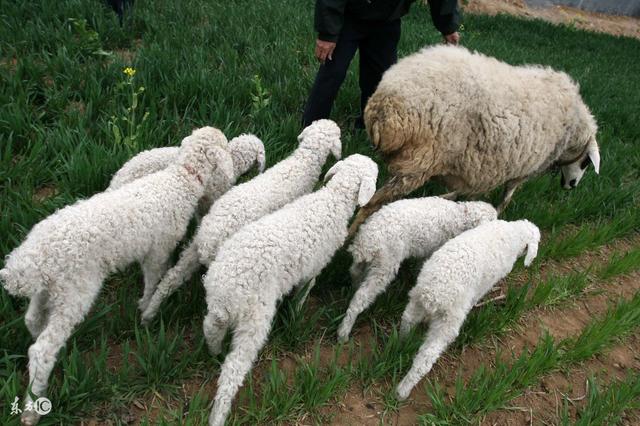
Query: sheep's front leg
(187,265)
(37,313)
(378,277)
(442,331)
(249,337)
(357,271)
(396,187)
(153,268)
(306,288)
(509,189)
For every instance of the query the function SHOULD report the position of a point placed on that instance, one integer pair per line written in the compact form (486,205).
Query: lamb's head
(322,136)
(204,151)
(531,236)
(355,172)
(477,212)
(246,151)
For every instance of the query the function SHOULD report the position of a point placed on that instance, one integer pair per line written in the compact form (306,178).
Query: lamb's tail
(21,282)
(387,121)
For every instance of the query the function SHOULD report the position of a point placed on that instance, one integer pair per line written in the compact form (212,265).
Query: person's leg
(378,51)
(331,75)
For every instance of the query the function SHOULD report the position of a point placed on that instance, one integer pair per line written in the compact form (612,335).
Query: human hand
(324,50)
(453,38)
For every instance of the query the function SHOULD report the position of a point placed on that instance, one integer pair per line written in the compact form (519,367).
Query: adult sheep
(476,123)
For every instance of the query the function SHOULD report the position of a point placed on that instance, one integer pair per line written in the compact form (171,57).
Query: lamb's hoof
(343,338)
(29,418)
(146,319)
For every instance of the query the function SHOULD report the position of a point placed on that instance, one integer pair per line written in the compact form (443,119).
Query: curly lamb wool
(266,259)
(284,182)
(454,279)
(475,123)
(246,151)
(403,229)
(65,258)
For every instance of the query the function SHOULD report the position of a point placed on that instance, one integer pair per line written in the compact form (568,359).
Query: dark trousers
(378,45)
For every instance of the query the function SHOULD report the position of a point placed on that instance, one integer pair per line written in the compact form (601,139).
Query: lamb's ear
(260,160)
(223,162)
(532,252)
(367,189)
(336,149)
(332,171)
(594,154)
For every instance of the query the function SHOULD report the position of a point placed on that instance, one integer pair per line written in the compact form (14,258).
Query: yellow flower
(129,71)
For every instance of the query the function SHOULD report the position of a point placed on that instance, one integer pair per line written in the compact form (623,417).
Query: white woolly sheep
(65,258)
(246,151)
(284,182)
(475,123)
(406,228)
(266,259)
(454,279)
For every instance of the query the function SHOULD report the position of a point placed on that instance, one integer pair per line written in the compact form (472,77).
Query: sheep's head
(360,167)
(571,173)
(320,136)
(478,212)
(247,150)
(204,151)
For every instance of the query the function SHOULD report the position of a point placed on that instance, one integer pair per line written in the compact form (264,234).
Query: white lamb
(284,182)
(452,281)
(266,259)
(65,258)
(406,228)
(246,151)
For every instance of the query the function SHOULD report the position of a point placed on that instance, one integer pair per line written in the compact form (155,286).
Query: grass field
(561,347)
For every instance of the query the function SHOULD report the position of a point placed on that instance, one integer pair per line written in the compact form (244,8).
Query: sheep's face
(570,174)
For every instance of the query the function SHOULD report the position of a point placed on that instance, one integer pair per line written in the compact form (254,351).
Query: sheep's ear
(223,162)
(332,171)
(594,154)
(261,160)
(367,189)
(336,149)
(532,252)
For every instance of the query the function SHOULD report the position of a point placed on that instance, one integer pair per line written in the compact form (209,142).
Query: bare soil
(562,15)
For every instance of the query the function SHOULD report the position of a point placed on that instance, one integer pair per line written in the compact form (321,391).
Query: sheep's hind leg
(413,314)
(377,280)
(396,187)
(442,331)
(215,326)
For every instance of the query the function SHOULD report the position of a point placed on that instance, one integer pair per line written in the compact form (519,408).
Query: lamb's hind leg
(187,265)
(442,331)
(66,312)
(37,313)
(396,187)
(379,275)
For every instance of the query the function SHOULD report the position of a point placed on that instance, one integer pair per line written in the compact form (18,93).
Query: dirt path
(599,22)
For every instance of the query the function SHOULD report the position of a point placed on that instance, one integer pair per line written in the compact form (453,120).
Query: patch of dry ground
(592,21)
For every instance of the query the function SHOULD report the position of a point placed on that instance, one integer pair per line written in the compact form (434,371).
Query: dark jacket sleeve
(445,15)
(329,17)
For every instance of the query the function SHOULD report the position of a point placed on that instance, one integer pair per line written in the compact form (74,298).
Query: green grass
(247,66)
